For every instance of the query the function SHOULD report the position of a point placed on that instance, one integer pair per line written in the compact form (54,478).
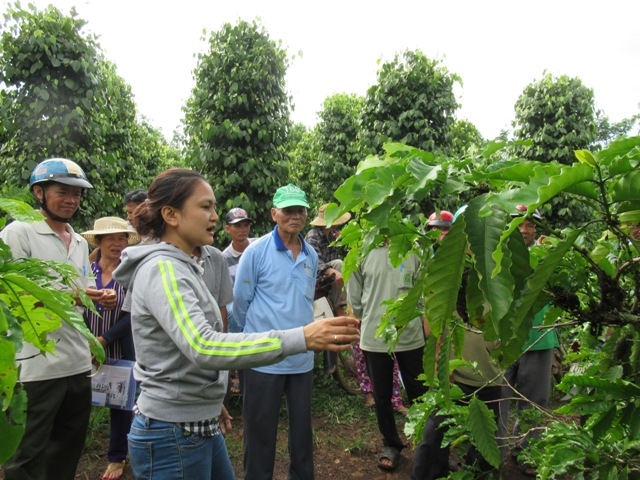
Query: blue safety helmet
(59,170)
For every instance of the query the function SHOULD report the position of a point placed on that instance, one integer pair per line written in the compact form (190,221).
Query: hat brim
(238,220)
(74,182)
(292,203)
(321,222)
(90,236)
(439,223)
(535,215)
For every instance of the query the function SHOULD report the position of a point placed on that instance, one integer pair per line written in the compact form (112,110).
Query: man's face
(528,231)
(239,231)
(290,220)
(130,207)
(443,232)
(62,200)
(332,233)
(635,233)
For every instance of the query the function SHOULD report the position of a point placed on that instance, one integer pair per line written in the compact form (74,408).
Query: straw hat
(107,225)
(319,221)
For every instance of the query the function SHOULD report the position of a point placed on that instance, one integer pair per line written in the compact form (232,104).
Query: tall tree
(237,118)
(465,135)
(61,98)
(303,153)
(337,134)
(558,115)
(412,102)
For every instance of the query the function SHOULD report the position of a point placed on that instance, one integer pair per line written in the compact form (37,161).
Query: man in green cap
(274,288)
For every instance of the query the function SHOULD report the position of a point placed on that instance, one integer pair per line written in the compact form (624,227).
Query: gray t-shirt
(216,275)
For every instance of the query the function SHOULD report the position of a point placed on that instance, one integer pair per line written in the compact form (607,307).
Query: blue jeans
(163,451)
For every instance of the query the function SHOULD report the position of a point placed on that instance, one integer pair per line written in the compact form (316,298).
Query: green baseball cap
(290,196)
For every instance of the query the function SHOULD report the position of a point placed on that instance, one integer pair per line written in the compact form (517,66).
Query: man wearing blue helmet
(58,386)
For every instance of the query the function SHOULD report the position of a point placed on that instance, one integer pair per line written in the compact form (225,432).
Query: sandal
(114,471)
(527,469)
(388,459)
(235,385)
(369,401)
(402,410)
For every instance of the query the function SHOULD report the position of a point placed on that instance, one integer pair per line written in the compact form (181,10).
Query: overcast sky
(496,47)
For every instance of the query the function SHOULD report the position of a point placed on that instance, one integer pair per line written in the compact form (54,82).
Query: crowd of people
(189,314)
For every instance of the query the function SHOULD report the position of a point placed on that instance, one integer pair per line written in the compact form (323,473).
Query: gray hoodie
(182,355)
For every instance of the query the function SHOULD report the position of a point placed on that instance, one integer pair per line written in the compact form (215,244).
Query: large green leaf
(568,177)
(429,359)
(483,430)
(9,369)
(484,237)
(425,175)
(520,315)
(627,188)
(513,171)
(625,148)
(19,210)
(58,303)
(603,422)
(12,425)
(443,276)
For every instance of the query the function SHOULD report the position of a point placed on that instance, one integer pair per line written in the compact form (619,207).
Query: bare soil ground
(346,438)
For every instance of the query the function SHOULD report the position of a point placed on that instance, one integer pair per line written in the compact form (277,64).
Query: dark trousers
(531,376)
(262,398)
(57,420)
(118,442)
(432,459)
(380,368)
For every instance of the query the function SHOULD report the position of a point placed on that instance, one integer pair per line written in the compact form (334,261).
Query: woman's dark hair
(170,188)
(135,196)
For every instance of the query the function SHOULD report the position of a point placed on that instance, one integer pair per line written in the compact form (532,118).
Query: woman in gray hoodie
(182,355)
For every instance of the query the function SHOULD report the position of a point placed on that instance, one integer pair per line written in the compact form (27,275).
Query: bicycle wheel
(346,373)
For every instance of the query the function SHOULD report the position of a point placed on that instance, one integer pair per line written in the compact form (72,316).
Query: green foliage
(608,132)
(32,305)
(304,152)
(591,276)
(237,119)
(465,135)
(336,136)
(558,116)
(412,103)
(59,97)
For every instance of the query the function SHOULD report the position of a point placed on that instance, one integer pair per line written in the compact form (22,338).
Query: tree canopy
(336,134)
(558,116)
(412,102)
(60,97)
(237,119)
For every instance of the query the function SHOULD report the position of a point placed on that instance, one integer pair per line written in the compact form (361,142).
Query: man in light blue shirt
(274,288)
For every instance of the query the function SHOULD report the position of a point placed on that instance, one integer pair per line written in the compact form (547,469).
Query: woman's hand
(225,421)
(94,295)
(334,334)
(109,299)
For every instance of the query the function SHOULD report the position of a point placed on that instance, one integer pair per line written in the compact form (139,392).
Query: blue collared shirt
(273,291)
